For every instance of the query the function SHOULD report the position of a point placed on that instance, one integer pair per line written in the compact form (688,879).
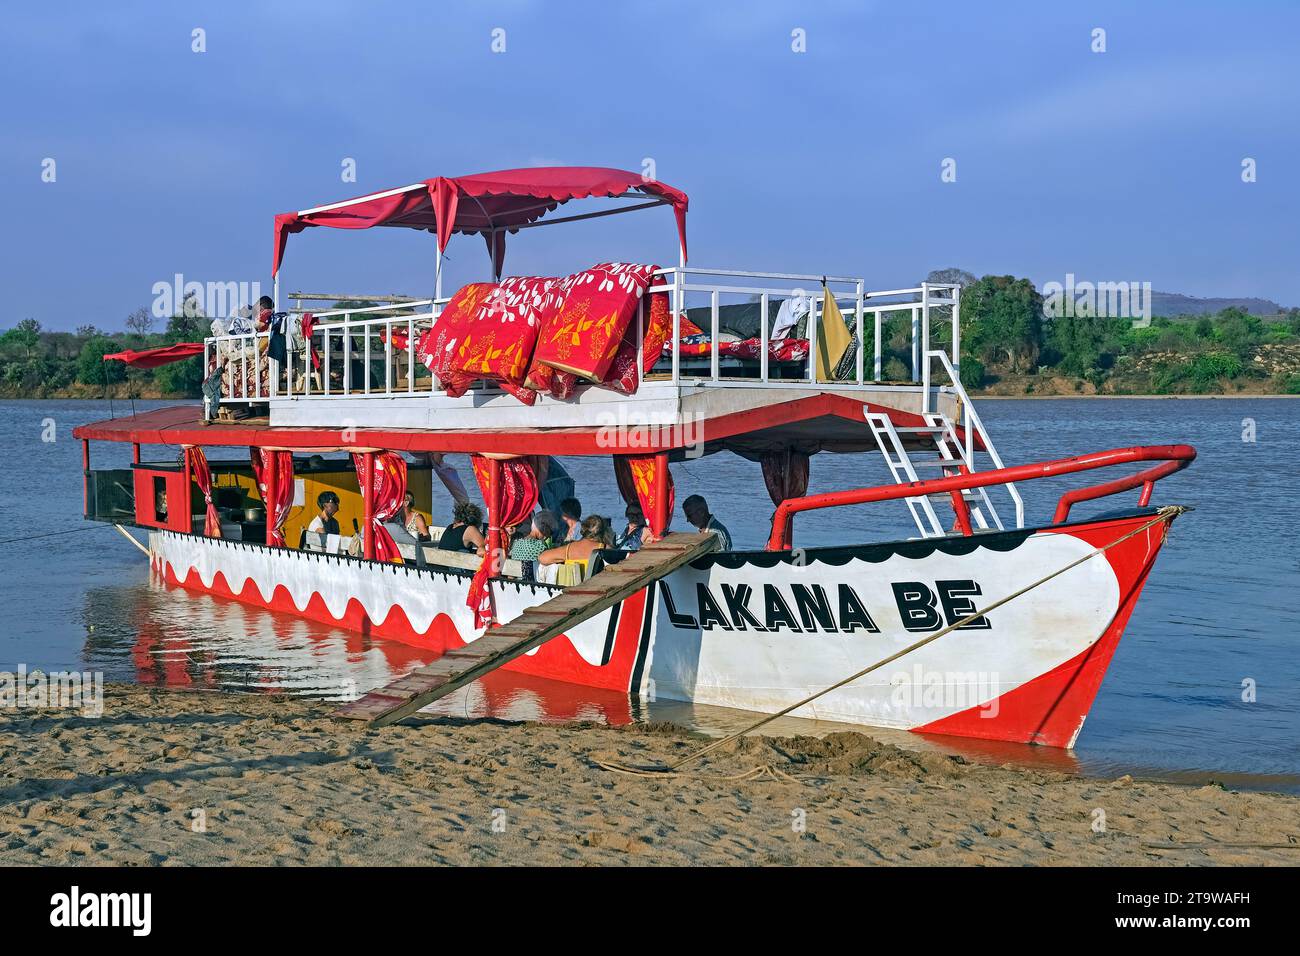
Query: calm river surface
(1222,607)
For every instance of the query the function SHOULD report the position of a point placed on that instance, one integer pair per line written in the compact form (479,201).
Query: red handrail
(1173,458)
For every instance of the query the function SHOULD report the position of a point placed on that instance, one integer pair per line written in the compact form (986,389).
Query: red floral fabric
(519,491)
(657,329)
(635,475)
(278,496)
(536,335)
(202,474)
(438,346)
(388,489)
(778,350)
(599,304)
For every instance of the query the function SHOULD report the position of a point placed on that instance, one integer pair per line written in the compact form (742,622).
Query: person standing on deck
(696,510)
(571,515)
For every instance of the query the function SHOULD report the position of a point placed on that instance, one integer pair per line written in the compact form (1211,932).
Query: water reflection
(165,636)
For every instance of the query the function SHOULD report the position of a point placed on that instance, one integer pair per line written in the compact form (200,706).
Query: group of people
(566,538)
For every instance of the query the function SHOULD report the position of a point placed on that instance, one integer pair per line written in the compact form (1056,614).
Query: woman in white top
(412,520)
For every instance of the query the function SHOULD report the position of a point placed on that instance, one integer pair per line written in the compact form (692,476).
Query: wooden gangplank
(537,625)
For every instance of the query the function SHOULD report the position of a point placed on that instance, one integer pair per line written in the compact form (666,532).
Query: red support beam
(183,425)
(659,520)
(186,501)
(85,476)
(368,497)
(135,453)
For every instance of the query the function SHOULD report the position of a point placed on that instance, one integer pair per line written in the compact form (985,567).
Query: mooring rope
(1165,514)
(51,534)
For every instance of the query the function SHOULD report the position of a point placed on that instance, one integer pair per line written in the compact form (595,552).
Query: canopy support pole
(659,520)
(187,499)
(85,476)
(275,291)
(272,465)
(368,499)
(437,272)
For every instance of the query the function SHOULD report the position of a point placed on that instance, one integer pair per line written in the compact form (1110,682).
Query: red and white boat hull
(762,630)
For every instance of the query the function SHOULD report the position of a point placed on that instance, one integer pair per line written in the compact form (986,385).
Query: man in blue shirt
(696,510)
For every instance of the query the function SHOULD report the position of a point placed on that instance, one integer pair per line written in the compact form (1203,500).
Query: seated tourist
(327,503)
(538,539)
(412,520)
(575,556)
(571,515)
(696,510)
(636,533)
(464,533)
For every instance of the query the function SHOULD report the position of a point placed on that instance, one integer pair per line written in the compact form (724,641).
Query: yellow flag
(833,337)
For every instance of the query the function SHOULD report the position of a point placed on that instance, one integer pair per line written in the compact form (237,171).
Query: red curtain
(785,472)
(279,498)
(386,498)
(198,463)
(518,489)
(636,476)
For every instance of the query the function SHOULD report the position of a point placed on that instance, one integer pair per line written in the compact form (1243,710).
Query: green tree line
(36,362)
(1007,344)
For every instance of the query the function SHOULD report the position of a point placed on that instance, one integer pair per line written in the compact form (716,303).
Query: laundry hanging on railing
(833,339)
(531,334)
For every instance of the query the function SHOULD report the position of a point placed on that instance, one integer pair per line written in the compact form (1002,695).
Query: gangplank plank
(534,627)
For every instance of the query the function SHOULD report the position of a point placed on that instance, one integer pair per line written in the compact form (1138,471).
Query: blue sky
(1123,165)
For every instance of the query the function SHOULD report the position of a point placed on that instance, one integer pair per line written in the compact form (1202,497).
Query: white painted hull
(760,631)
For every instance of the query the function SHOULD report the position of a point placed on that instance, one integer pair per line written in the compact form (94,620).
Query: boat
(989,624)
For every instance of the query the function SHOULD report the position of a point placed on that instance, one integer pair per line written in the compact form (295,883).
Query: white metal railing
(351,343)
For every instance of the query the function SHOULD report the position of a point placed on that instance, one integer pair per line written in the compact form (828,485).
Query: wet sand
(175,777)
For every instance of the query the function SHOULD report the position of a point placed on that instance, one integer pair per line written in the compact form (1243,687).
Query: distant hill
(1174,303)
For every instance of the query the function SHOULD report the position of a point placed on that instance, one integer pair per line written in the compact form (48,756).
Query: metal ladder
(949,461)
(981,507)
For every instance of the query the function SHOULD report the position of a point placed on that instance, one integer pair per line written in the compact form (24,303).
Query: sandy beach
(176,778)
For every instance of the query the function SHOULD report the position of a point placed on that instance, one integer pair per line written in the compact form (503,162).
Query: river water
(1205,684)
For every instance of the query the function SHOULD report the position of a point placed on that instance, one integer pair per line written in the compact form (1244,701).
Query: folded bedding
(532,334)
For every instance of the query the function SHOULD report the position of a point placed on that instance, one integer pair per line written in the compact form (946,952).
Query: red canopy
(152,358)
(490,204)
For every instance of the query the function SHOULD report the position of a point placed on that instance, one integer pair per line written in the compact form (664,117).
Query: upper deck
(756,347)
